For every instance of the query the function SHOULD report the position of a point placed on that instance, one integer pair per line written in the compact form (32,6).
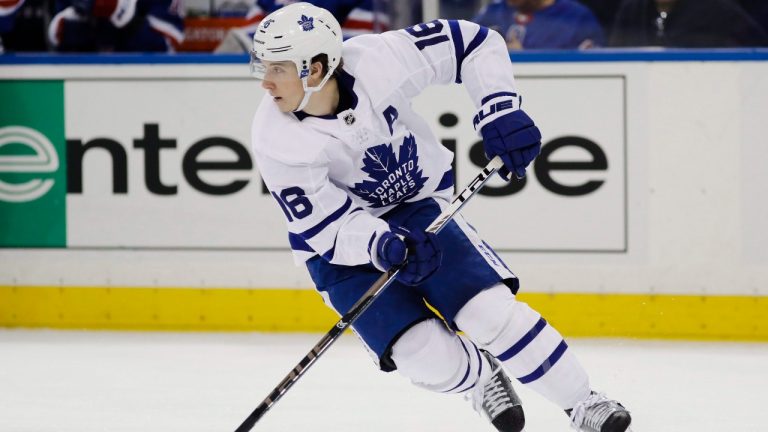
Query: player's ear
(315,73)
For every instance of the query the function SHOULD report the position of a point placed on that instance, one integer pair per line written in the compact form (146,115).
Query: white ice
(69,381)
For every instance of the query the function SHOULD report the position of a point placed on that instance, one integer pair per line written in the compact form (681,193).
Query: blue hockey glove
(391,250)
(421,250)
(515,138)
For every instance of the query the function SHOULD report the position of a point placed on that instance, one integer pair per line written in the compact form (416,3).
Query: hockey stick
(358,308)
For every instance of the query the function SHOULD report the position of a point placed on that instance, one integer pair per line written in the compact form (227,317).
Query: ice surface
(69,381)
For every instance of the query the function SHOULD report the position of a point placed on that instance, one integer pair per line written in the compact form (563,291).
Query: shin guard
(531,349)
(433,357)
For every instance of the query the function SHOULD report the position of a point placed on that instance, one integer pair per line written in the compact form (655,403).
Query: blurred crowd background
(226,26)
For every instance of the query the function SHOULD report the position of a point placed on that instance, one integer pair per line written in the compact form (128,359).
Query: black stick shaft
(365,301)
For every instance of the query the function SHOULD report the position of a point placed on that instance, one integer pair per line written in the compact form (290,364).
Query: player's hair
(323,59)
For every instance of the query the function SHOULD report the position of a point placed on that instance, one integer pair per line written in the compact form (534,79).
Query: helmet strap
(307,93)
(309,90)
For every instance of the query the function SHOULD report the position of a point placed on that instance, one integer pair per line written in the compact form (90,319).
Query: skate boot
(597,413)
(497,400)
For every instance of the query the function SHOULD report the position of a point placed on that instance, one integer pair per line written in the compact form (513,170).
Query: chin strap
(309,90)
(307,93)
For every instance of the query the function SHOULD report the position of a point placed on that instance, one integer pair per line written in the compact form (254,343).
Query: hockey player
(359,176)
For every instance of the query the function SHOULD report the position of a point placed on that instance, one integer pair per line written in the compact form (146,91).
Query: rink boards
(129,198)
(605,315)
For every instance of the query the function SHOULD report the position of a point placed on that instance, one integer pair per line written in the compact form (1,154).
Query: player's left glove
(514,138)
(419,250)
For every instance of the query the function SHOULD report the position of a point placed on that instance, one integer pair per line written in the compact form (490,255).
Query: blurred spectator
(758,10)
(459,9)
(8,11)
(604,11)
(22,25)
(541,24)
(355,16)
(117,25)
(685,23)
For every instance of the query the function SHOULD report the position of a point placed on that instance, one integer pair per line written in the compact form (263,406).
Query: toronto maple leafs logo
(306,23)
(393,179)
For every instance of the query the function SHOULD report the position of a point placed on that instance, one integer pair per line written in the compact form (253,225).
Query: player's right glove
(510,134)
(419,250)
(515,138)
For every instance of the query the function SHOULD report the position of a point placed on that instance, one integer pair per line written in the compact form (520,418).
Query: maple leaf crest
(306,23)
(393,179)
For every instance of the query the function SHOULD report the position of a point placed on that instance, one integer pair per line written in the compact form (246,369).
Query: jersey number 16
(424,31)
(294,202)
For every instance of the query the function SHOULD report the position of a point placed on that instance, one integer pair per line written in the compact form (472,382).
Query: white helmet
(297,33)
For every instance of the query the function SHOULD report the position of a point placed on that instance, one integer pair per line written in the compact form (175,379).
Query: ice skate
(597,413)
(497,400)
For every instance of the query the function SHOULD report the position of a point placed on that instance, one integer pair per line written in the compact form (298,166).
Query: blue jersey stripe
(458,46)
(477,40)
(446,181)
(370,242)
(329,254)
(333,217)
(547,365)
(298,243)
(473,44)
(524,341)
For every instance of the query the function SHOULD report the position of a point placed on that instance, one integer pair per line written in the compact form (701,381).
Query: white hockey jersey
(334,176)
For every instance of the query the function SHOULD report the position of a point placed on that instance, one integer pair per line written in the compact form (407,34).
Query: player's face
(281,80)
